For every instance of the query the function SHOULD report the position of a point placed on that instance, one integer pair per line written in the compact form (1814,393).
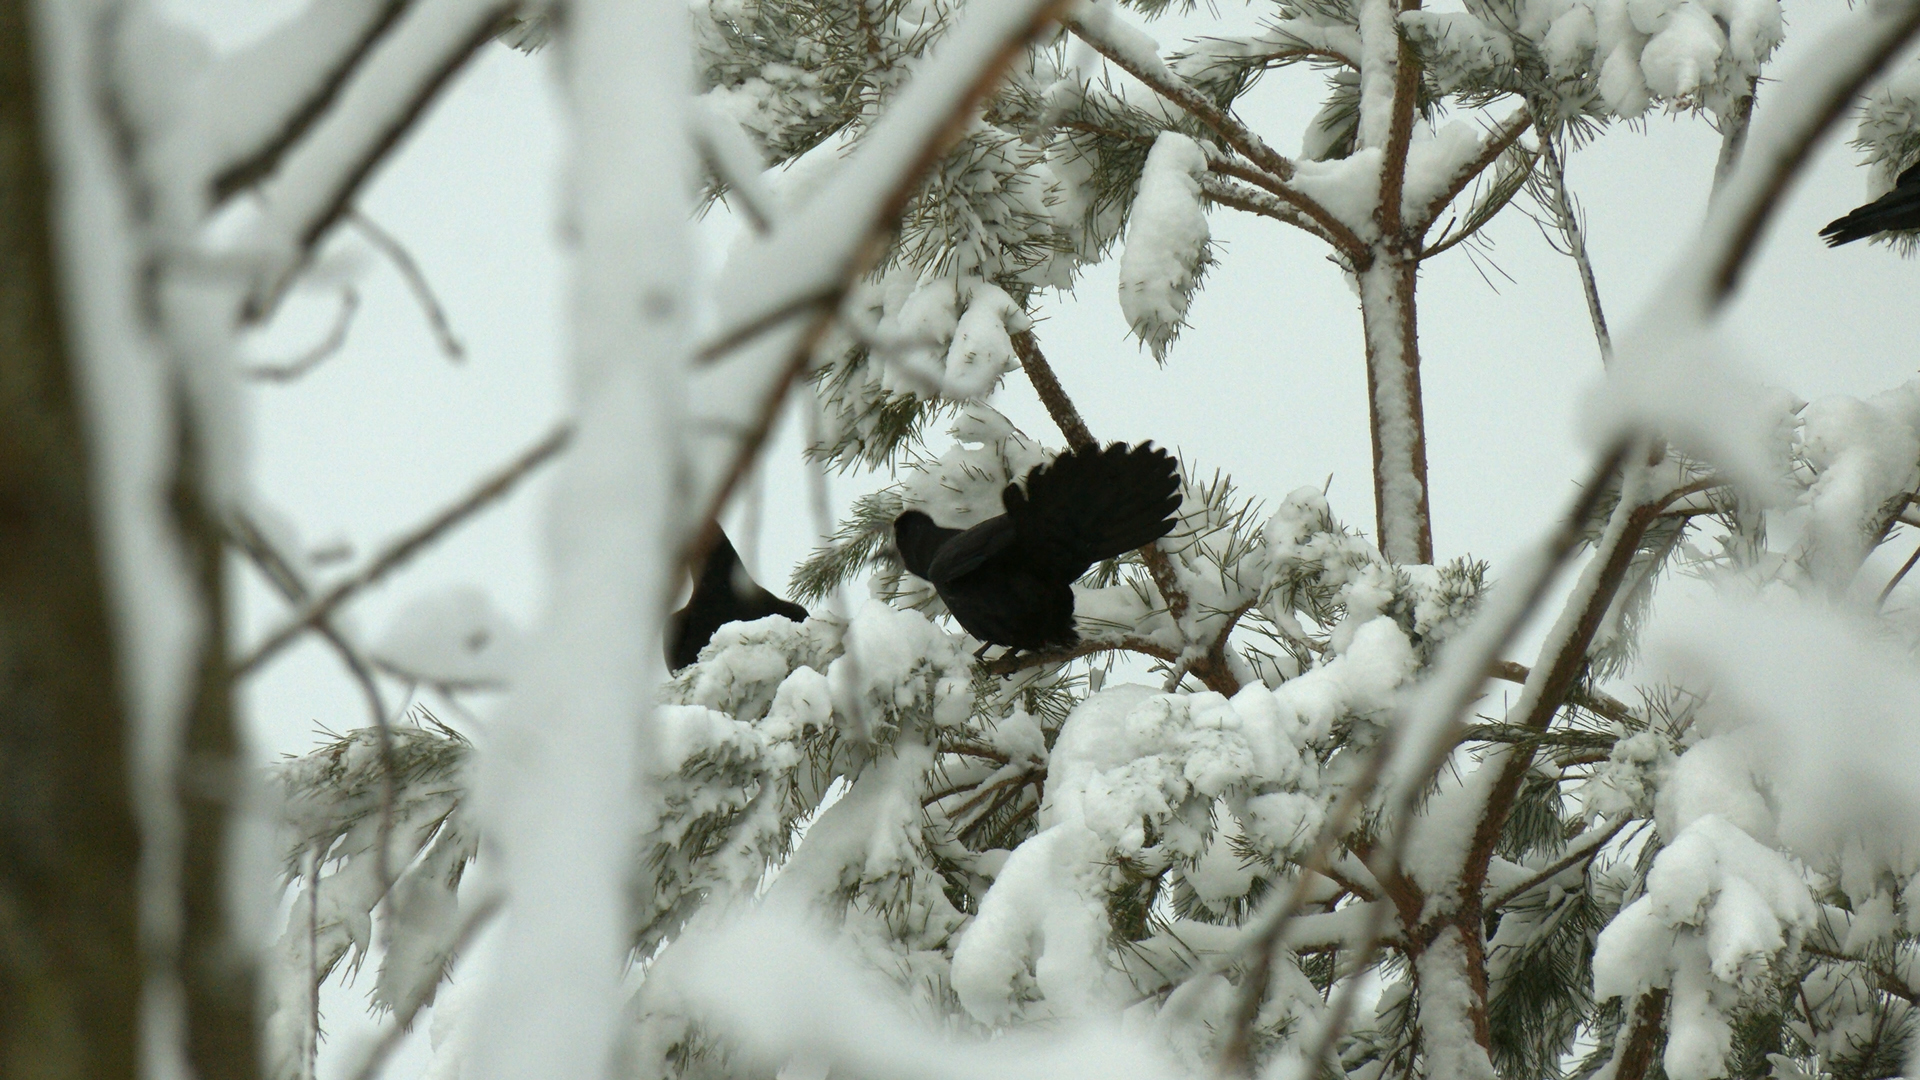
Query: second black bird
(1009,580)
(1897,209)
(723,593)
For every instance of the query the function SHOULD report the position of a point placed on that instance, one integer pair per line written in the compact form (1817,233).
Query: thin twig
(1579,854)
(489,491)
(289,370)
(1594,701)
(403,261)
(246,534)
(1575,235)
(1898,575)
(260,161)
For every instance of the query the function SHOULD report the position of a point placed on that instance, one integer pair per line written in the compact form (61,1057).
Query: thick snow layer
(1434,158)
(1819,704)
(1167,241)
(982,350)
(1866,453)
(1135,775)
(1349,188)
(771,983)
(1719,907)
(1447,1004)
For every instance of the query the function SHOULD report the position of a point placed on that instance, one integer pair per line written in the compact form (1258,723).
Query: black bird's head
(918,539)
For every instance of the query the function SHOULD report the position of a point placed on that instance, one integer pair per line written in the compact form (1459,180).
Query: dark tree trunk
(70,958)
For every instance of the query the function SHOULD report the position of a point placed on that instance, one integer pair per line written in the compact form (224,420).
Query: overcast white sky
(1267,384)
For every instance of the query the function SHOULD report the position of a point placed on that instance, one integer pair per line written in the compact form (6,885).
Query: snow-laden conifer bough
(859,853)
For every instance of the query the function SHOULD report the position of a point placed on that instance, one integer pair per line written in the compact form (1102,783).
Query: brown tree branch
(1648,1031)
(409,545)
(1183,93)
(1594,701)
(1495,144)
(1393,166)
(257,162)
(1212,668)
(1241,197)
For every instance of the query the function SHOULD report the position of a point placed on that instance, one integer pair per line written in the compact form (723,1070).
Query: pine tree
(1300,849)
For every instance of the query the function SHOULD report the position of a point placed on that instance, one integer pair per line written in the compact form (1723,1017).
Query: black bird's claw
(980,654)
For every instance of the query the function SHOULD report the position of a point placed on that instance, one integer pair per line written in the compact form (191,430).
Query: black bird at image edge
(1009,580)
(722,593)
(1897,209)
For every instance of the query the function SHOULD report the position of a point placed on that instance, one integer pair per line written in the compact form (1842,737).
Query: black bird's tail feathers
(1897,209)
(1088,505)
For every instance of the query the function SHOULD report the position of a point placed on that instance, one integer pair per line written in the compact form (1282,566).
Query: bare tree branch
(416,280)
(290,370)
(255,162)
(400,551)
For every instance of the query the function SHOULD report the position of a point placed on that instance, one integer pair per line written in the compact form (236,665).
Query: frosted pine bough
(1020,854)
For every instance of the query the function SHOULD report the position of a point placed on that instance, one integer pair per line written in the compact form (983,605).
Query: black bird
(1008,580)
(723,593)
(1897,209)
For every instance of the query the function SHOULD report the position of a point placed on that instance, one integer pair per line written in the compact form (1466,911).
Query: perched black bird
(1897,209)
(1008,580)
(723,593)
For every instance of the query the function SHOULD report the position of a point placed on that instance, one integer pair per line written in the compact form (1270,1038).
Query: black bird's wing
(723,593)
(918,540)
(964,553)
(1897,209)
(1088,505)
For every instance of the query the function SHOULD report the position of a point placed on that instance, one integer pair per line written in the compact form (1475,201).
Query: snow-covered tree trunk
(1394,410)
(564,786)
(1390,77)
